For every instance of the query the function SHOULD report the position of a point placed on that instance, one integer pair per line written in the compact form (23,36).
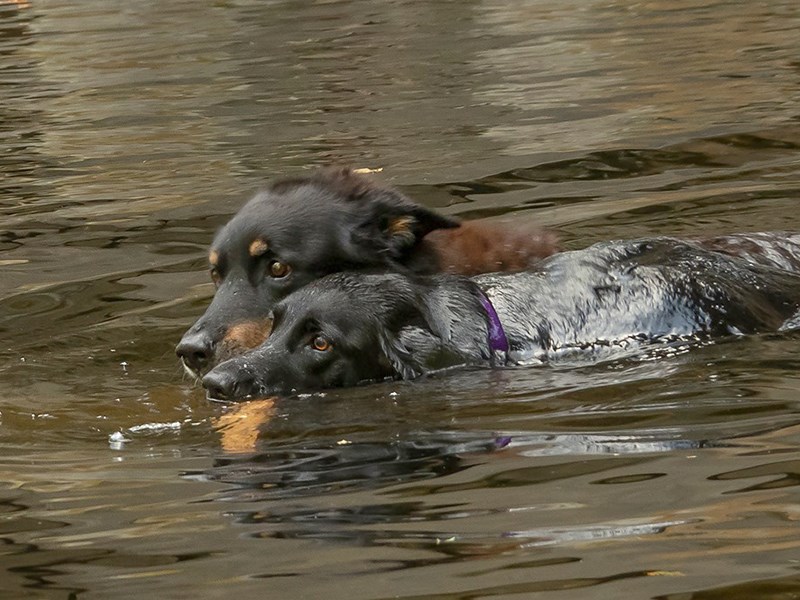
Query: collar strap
(498,342)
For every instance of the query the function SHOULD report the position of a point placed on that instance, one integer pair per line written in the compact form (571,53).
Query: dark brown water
(130,131)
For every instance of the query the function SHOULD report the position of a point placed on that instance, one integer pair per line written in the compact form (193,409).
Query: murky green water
(130,131)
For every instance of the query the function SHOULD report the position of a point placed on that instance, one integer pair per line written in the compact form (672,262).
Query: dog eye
(215,276)
(321,344)
(279,269)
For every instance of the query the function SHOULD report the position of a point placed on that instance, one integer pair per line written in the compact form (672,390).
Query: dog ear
(399,357)
(392,224)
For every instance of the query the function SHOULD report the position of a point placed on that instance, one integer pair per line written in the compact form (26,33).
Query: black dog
(353,327)
(302,229)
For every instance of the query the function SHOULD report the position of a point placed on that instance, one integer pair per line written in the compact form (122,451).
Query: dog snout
(228,385)
(196,350)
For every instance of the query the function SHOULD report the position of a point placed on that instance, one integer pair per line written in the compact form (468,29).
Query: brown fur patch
(481,247)
(258,247)
(213,258)
(243,336)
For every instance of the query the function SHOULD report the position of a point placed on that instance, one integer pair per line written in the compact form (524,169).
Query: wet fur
(609,298)
(330,221)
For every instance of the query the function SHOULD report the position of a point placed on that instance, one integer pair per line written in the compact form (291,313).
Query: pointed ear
(394,224)
(406,229)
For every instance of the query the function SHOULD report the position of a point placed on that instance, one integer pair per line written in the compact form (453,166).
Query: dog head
(295,232)
(339,331)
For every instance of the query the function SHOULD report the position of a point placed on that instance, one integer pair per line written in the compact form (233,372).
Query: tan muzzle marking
(245,335)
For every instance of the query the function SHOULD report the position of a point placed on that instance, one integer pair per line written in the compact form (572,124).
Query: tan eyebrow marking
(258,247)
(213,258)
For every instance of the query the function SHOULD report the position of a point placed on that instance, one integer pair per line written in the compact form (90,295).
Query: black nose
(228,385)
(196,350)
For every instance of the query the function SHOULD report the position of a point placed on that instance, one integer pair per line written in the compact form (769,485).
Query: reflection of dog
(299,230)
(352,327)
(239,428)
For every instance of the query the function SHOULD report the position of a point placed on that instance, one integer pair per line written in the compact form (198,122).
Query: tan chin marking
(213,258)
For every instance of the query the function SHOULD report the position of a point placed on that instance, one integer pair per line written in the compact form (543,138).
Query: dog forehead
(284,221)
(322,299)
(356,295)
(327,305)
(303,200)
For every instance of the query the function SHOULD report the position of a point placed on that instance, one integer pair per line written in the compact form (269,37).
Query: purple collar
(498,342)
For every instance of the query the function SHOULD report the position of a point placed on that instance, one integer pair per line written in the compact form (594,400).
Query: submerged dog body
(352,327)
(299,230)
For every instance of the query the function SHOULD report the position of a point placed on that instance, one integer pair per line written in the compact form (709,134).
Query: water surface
(130,131)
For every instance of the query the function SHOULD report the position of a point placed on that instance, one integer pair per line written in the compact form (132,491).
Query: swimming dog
(301,229)
(354,327)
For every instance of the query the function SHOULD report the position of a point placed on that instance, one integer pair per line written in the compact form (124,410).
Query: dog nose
(219,385)
(228,385)
(195,350)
